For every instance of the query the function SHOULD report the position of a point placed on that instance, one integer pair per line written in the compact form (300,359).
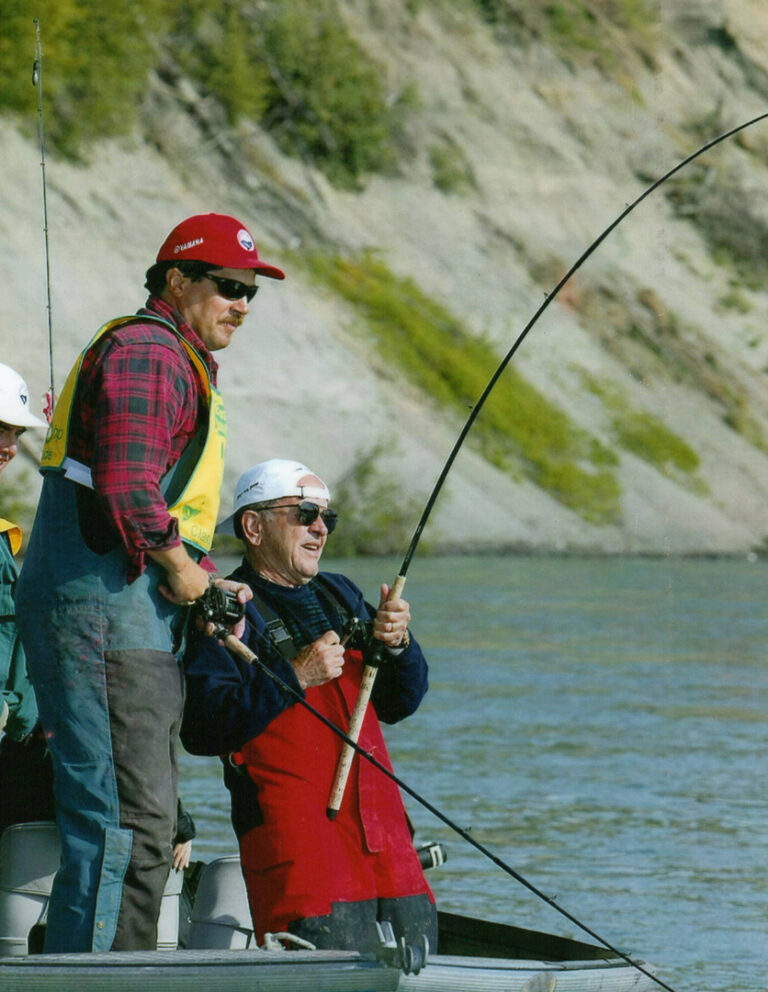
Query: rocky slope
(661,317)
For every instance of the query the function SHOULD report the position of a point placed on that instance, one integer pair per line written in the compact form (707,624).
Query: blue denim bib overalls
(102,657)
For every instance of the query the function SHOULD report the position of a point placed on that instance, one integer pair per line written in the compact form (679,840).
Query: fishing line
(37,80)
(224,634)
(369,676)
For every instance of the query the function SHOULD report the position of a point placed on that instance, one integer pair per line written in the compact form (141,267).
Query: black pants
(351,926)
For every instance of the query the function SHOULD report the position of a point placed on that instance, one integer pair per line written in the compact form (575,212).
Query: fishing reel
(357,635)
(219,606)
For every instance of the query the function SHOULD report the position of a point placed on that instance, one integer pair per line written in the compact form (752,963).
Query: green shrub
(289,64)
(327,99)
(599,30)
(519,430)
(220,49)
(735,299)
(451,172)
(374,516)
(96,59)
(719,206)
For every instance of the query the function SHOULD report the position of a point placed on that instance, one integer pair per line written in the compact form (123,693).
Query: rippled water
(601,726)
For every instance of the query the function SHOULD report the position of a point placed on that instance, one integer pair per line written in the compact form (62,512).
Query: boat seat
(220,916)
(29,858)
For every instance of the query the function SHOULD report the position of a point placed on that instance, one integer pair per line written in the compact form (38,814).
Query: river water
(601,725)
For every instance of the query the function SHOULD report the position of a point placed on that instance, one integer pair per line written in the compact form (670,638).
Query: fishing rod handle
(236,646)
(358,715)
(347,751)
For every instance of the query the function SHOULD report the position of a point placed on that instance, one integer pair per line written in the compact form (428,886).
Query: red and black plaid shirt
(138,404)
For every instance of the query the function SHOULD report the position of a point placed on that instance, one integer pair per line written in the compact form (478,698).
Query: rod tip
(331,813)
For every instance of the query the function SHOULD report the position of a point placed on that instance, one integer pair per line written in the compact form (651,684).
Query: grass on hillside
(644,434)
(597,31)
(375,517)
(518,430)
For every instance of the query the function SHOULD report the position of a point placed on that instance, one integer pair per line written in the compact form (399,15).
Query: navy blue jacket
(229,701)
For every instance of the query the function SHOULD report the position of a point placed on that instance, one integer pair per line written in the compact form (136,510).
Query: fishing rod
(37,80)
(369,675)
(242,651)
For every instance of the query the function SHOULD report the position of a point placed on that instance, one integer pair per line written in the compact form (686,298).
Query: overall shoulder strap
(276,629)
(324,589)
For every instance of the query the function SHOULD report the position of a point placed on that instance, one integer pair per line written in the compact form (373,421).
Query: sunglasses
(309,512)
(232,289)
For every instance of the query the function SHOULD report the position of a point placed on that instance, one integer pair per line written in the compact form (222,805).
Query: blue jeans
(110,694)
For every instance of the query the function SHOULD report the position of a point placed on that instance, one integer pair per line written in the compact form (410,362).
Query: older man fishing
(326,881)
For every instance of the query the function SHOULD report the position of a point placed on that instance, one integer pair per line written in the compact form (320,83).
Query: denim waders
(110,692)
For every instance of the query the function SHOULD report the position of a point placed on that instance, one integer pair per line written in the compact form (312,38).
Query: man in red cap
(132,468)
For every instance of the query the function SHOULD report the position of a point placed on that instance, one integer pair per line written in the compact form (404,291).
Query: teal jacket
(15,687)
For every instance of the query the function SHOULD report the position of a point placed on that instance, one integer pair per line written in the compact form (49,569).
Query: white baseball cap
(273,479)
(14,400)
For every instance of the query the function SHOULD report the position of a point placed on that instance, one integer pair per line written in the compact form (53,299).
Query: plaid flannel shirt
(138,405)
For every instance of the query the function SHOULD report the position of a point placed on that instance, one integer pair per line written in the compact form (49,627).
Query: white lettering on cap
(187,244)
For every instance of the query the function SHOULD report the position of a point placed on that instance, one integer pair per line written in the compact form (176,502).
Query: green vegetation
(652,341)
(735,299)
(291,65)
(717,203)
(643,434)
(96,60)
(519,430)
(374,516)
(599,31)
(451,172)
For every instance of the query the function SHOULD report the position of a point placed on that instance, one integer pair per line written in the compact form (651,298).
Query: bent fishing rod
(369,674)
(243,652)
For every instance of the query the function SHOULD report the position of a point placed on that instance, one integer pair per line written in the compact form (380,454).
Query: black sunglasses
(309,512)
(232,289)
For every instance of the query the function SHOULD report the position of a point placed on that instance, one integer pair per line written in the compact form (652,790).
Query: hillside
(649,369)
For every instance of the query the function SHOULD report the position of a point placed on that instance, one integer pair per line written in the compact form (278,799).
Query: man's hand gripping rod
(358,715)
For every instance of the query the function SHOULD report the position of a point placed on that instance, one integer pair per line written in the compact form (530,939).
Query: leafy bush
(451,172)
(519,430)
(718,204)
(220,49)
(595,29)
(290,64)
(327,100)
(96,59)
(374,516)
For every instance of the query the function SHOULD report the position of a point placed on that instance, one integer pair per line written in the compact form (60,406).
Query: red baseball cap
(218,239)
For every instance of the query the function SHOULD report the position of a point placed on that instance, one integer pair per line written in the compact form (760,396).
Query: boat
(205,938)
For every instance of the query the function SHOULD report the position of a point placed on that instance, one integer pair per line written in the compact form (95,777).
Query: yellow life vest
(14,534)
(197,506)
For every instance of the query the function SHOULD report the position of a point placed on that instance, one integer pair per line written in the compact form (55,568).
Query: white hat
(14,400)
(273,479)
